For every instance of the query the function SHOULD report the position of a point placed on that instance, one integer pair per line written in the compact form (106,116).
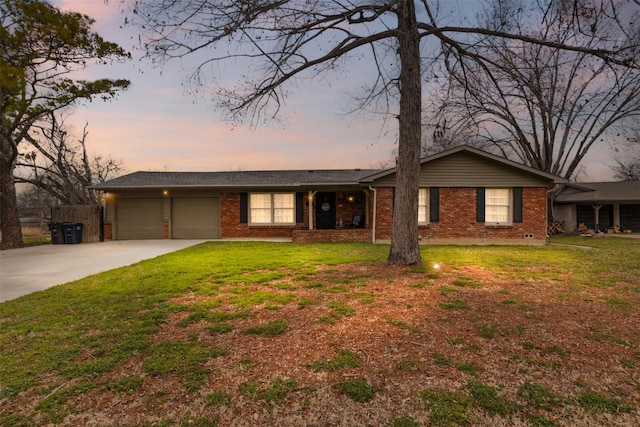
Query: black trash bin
(57,235)
(72,232)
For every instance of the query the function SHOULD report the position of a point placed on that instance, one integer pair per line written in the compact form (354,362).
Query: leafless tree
(277,43)
(543,106)
(61,166)
(41,49)
(627,161)
(628,169)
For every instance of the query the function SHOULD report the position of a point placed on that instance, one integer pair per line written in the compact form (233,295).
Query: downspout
(310,201)
(375,206)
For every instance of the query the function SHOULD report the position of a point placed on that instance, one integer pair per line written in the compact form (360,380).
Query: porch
(342,216)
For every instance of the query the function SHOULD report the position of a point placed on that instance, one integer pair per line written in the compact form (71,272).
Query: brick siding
(344,235)
(458,217)
(457,220)
(231,227)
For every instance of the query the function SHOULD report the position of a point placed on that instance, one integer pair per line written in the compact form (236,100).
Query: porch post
(311,210)
(374,209)
(596,212)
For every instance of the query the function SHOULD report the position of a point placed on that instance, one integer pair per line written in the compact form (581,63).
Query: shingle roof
(601,192)
(237,179)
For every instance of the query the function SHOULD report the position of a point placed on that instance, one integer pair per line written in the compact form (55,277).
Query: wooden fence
(89,216)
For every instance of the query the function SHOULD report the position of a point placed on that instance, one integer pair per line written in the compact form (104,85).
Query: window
(272,208)
(497,205)
(423,206)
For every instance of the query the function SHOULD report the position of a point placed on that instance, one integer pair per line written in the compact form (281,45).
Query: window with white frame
(272,208)
(423,206)
(497,205)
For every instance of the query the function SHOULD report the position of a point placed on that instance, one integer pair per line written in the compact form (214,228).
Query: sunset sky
(156,125)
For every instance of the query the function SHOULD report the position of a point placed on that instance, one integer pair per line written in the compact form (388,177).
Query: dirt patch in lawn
(408,332)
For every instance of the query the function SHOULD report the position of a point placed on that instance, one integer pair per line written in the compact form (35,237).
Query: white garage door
(196,218)
(139,219)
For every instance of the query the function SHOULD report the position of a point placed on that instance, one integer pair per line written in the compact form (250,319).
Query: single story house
(599,205)
(466,196)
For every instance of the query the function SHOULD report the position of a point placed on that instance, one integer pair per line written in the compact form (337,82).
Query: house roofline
(477,152)
(299,186)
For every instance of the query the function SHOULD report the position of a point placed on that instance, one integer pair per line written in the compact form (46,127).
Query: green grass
(339,310)
(404,422)
(442,360)
(358,389)
(466,282)
(219,398)
(107,334)
(539,396)
(456,304)
(276,327)
(487,398)
(183,358)
(126,385)
(600,403)
(344,359)
(447,408)
(275,392)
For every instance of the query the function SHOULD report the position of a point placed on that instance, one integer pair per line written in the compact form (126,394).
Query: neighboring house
(466,196)
(599,205)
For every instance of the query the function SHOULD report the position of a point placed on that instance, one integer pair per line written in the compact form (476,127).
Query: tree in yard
(543,106)
(40,50)
(278,42)
(627,169)
(62,166)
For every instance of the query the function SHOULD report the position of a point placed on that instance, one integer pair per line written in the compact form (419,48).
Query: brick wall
(231,227)
(333,236)
(457,220)
(458,217)
(384,213)
(108,230)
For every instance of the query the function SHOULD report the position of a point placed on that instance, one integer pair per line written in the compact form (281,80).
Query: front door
(325,211)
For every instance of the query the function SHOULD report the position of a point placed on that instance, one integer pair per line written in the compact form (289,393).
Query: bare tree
(278,42)
(61,165)
(543,106)
(627,169)
(40,50)
(627,160)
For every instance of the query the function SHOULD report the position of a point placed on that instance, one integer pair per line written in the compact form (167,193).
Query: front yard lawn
(279,334)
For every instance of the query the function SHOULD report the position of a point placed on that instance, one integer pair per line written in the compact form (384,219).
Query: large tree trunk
(405,249)
(9,216)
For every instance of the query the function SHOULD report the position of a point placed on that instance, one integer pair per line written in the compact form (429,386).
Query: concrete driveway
(27,270)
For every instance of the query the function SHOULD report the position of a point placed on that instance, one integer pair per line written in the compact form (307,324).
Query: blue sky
(157,125)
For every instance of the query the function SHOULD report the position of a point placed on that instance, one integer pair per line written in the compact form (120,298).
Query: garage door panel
(196,218)
(139,219)
(630,217)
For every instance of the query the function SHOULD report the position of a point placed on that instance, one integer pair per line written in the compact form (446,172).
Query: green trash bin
(72,233)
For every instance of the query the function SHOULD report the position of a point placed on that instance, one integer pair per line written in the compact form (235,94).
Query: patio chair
(357,221)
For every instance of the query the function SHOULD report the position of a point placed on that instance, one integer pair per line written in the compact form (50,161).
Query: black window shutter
(517,204)
(244,208)
(480,204)
(299,207)
(434,204)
